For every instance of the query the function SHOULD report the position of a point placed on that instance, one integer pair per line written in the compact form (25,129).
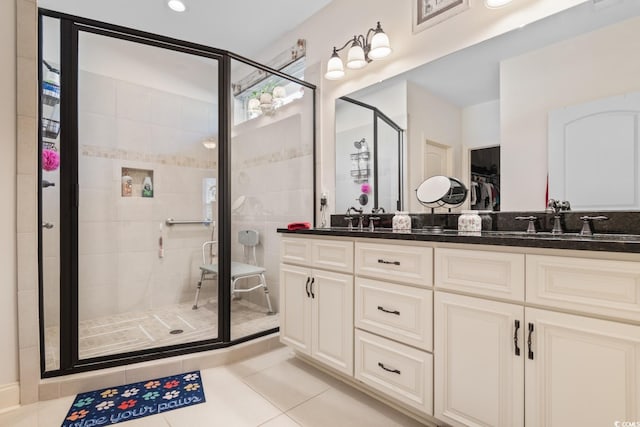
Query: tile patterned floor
(151,328)
(271,390)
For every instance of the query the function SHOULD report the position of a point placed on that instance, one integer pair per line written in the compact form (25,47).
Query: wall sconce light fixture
(362,50)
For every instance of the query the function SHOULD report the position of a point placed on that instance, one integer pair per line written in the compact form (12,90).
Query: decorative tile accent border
(164,159)
(280,156)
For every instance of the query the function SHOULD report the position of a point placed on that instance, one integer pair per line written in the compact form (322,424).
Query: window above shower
(260,93)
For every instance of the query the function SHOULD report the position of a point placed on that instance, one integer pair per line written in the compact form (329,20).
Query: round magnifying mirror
(457,193)
(433,189)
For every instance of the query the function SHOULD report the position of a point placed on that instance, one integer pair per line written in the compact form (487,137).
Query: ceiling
(243,27)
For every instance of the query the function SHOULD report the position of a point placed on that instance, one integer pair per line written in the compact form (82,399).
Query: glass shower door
(147,188)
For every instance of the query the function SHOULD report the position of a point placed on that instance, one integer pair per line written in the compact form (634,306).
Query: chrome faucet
(557,207)
(531,228)
(360,218)
(586,225)
(378,210)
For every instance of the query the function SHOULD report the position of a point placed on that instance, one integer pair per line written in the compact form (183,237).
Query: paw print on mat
(127,404)
(84,402)
(130,392)
(190,377)
(109,393)
(150,395)
(152,384)
(77,415)
(172,384)
(171,394)
(192,386)
(104,405)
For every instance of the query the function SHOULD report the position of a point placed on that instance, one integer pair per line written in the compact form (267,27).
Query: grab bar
(206,222)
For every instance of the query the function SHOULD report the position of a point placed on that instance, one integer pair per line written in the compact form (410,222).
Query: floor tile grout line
(302,403)
(272,418)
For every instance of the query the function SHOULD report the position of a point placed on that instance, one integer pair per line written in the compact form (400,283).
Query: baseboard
(9,396)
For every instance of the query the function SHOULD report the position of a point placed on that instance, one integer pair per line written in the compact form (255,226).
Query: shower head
(360,144)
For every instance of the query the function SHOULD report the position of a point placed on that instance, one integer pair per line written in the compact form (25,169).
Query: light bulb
(494,4)
(355,57)
(335,69)
(177,5)
(380,46)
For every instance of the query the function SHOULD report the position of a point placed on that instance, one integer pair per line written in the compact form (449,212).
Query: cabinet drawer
(399,312)
(607,287)
(397,370)
(332,255)
(296,251)
(407,264)
(494,274)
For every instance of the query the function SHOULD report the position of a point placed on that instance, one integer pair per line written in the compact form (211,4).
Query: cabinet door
(295,307)
(479,379)
(584,372)
(332,313)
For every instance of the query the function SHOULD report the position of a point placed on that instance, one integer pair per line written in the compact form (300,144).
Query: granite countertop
(574,241)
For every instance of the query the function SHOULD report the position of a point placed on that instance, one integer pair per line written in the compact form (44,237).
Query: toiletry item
(127,186)
(469,221)
(50,160)
(487,220)
(401,222)
(147,187)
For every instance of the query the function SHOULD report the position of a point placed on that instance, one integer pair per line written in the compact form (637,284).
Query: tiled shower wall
(124,125)
(272,168)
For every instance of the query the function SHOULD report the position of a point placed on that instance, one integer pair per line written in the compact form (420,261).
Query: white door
(594,150)
(479,377)
(295,307)
(332,313)
(583,372)
(436,159)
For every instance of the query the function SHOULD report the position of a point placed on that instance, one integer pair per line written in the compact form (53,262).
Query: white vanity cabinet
(394,321)
(317,304)
(502,363)
(583,371)
(478,371)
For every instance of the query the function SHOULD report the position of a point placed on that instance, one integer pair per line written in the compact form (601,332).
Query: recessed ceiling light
(494,4)
(176,5)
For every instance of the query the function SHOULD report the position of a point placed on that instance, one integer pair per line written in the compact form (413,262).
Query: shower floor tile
(157,328)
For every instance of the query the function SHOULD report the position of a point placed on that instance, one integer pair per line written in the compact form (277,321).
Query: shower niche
(136,182)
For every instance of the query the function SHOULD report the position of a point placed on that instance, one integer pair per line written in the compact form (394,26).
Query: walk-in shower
(144,150)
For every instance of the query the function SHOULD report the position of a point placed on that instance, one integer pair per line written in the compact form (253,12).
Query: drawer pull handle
(395,371)
(381,308)
(529,341)
(515,337)
(311,286)
(381,261)
(306,287)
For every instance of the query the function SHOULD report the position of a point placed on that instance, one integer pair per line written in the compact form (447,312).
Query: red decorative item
(50,160)
(299,226)
(365,188)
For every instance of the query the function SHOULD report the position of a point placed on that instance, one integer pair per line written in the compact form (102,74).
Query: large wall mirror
(558,97)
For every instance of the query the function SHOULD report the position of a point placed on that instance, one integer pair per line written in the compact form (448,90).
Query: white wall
(434,119)
(481,125)
(8,287)
(576,77)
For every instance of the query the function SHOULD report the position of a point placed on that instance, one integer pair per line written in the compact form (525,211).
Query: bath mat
(114,405)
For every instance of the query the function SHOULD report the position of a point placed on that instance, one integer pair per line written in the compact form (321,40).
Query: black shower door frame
(70,28)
